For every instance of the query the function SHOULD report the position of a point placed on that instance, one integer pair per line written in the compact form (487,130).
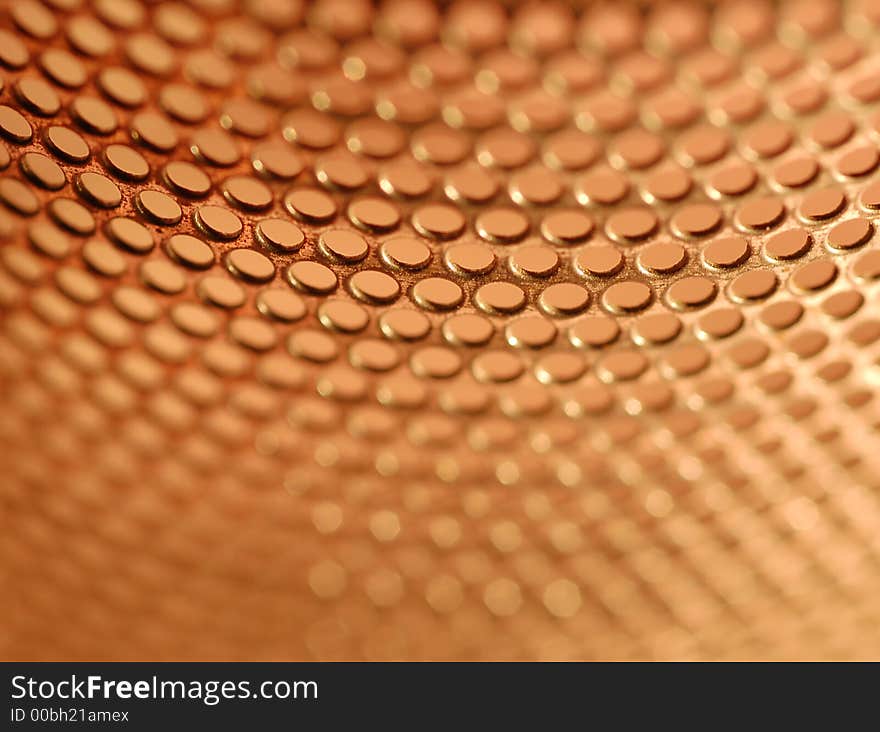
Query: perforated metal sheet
(544,330)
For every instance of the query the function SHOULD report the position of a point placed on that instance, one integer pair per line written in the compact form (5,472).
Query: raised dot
(564,299)
(621,365)
(373,355)
(38,96)
(505,148)
(136,304)
(850,234)
(440,145)
(250,265)
(406,253)
(704,144)
(436,293)
(150,54)
(667,185)
(282,305)
(662,258)
(636,149)
(72,215)
(78,285)
(48,240)
(497,367)
(696,220)
(407,325)
(656,329)
(530,332)
(822,204)
(789,244)
(276,160)
(858,162)
(796,173)
(162,277)
(733,180)
(691,292)
(566,227)
(194,319)
(13,51)
(870,197)
(782,314)
(867,267)
(630,225)
(279,235)
(842,304)
(601,260)
(604,187)
(122,86)
(469,259)
(767,139)
(438,221)
(42,170)
(311,129)
(468,329)
(502,225)
(832,130)
(13,126)
(98,189)
(343,316)
(726,253)
(154,131)
(257,335)
(63,68)
(189,251)
(373,286)
(184,103)
(218,222)
(34,19)
(221,291)
(89,36)
(186,178)
(535,187)
(807,344)
(124,14)
(719,323)
(130,234)
(341,171)
(344,245)
(103,258)
(158,207)
(373,214)
(759,214)
(312,277)
(626,297)
(435,362)
(686,360)
(247,193)
(17,196)
(66,144)
(500,298)
(93,115)
(753,286)
(534,261)
(571,150)
(404,178)
(215,147)
(594,331)
(310,204)
(749,353)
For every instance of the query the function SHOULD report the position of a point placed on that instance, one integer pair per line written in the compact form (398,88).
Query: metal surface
(333,330)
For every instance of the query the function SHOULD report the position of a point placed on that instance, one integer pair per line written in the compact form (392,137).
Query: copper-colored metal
(413,330)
